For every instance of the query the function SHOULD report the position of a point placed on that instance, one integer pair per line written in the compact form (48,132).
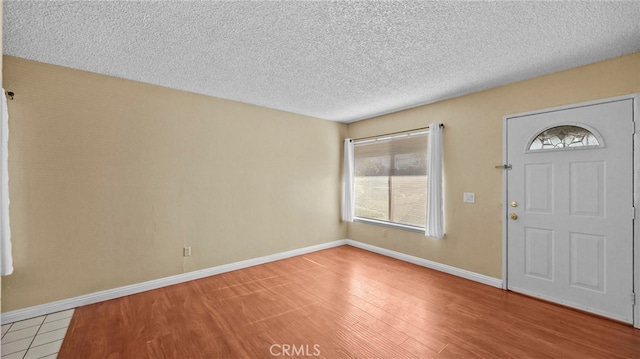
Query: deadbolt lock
(514,204)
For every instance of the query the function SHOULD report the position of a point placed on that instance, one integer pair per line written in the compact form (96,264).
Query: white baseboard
(481,278)
(60,305)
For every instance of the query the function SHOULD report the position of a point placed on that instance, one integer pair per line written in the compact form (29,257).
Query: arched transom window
(564,137)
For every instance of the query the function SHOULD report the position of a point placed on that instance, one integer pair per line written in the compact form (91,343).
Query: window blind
(390,179)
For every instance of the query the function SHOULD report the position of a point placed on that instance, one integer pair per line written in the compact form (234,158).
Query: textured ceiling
(341,61)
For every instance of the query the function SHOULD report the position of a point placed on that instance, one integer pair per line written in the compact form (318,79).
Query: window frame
(383,223)
(388,224)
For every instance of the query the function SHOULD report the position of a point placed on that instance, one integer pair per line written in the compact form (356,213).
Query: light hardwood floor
(342,302)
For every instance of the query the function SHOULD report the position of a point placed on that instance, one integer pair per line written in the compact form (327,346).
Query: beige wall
(111,178)
(473,147)
(1,85)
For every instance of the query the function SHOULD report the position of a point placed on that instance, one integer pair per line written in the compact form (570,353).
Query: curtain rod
(394,133)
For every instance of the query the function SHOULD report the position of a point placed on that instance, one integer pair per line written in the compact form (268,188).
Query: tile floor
(35,338)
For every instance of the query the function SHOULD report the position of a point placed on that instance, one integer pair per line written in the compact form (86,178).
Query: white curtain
(348,195)
(6,261)
(435,217)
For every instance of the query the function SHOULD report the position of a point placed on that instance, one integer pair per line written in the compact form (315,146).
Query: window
(566,136)
(390,179)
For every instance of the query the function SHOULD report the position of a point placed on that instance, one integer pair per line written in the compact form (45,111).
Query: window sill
(404,227)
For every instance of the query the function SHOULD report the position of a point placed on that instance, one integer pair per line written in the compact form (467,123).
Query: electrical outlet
(186,251)
(384,232)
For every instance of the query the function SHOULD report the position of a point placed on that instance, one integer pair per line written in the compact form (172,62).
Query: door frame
(636,188)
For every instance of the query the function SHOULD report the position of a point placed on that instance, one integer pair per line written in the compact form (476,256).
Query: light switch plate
(469,197)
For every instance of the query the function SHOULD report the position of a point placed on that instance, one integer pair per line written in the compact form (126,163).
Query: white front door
(570,207)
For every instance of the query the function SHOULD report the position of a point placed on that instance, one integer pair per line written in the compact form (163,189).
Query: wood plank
(342,302)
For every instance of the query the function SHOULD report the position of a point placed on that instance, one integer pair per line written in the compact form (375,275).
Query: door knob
(513,216)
